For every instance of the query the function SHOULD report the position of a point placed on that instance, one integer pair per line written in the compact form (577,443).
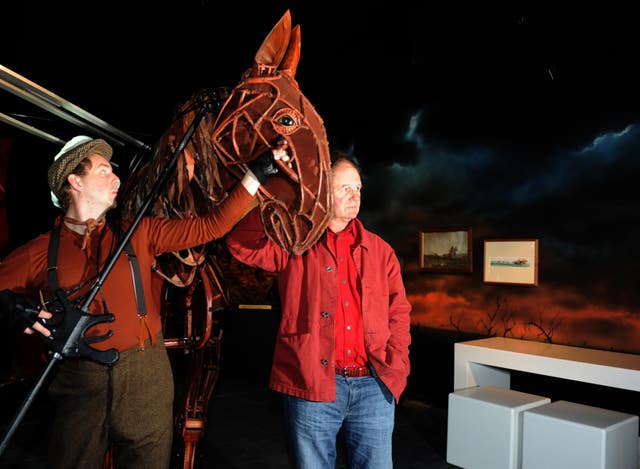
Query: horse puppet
(265,109)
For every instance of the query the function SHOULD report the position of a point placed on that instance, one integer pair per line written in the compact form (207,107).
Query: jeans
(364,409)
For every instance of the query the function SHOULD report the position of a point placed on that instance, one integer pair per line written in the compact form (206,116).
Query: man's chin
(353,213)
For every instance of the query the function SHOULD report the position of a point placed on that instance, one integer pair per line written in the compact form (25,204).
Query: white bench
(564,434)
(484,426)
(490,361)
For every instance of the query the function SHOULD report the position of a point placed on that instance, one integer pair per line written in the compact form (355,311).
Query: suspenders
(52,269)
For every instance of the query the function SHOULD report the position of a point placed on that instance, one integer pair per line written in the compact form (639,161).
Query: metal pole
(41,97)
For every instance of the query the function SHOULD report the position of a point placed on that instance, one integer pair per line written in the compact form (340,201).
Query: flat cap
(72,153)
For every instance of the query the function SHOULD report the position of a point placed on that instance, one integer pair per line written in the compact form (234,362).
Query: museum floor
(244,431)
(244,428)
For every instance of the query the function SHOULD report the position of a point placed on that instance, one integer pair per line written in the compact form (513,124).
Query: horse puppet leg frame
(203,346)
(295,204)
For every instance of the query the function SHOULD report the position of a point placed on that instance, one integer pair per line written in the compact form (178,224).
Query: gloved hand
(19,309)
(263,166)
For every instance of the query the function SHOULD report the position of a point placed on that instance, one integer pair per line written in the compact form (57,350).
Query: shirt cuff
(250,182)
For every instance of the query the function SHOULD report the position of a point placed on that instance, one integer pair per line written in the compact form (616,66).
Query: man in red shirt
(130,403)
(342,353)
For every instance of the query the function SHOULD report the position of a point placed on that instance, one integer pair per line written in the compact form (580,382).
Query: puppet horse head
(268,106)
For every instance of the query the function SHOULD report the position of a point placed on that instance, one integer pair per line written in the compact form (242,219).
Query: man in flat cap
(129,403)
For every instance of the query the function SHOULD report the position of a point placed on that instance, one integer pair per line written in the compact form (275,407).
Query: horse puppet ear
(290,61)
(275,48)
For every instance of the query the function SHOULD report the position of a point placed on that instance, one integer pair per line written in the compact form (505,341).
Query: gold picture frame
(511,261)
(447,250)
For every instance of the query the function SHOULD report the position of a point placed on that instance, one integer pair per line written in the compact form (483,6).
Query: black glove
(263,166)
(19,309)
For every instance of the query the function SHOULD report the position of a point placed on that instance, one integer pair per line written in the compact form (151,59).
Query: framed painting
(446,250)
(511,261)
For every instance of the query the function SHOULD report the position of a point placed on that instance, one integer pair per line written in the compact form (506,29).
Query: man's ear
(74,181)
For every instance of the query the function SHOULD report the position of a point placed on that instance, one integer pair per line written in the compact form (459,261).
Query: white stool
(484,424)
(566,435)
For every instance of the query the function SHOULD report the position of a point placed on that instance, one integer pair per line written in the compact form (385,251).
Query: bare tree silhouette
(502,321)
(455,323)
(546,331)
(489,324)
(502,318)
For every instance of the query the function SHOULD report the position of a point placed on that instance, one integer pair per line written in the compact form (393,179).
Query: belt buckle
(352,371)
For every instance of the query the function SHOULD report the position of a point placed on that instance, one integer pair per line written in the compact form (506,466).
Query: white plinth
(566,435)
(484,425)
(490,361)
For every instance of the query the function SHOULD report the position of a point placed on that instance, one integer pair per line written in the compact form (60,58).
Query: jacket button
(325,314)
(324,361)
(329,268)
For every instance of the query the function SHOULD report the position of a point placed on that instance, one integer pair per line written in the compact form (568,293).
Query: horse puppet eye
(286,121)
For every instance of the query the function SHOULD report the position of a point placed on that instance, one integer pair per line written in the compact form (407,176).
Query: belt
(353,371)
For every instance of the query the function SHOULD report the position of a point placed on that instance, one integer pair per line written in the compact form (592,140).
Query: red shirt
(350,350)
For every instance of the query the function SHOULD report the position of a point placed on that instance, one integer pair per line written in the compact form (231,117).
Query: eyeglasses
(347,189)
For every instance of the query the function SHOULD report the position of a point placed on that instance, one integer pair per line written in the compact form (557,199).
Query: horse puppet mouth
(294,233)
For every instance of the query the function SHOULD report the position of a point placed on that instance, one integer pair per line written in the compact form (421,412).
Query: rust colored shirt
(25,269)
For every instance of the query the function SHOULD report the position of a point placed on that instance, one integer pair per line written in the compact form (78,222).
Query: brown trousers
(129,405)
